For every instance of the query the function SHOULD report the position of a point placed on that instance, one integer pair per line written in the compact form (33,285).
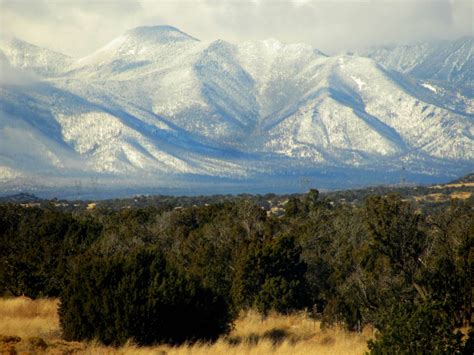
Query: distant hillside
(426,197)
(20,198)
(465,179)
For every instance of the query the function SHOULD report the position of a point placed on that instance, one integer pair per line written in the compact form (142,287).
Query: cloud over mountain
(78,27)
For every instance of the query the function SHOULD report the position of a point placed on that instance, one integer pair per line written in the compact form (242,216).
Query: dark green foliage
(311,199)
(450,273)
(387,263)
(395,230)
(217,236)
(293,207)
(417,329)
(36,244)
(421,321)
(270,275)
(140,297)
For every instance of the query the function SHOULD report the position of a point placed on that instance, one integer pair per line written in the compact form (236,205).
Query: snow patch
(86,132)
(360,83)
(429,87)
(341,63)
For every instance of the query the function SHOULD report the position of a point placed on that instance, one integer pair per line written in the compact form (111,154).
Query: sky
(79,27)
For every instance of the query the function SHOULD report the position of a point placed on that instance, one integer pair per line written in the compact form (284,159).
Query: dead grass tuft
(24,317)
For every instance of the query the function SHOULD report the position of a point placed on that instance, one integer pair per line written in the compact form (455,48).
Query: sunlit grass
(252,334)
(24,317)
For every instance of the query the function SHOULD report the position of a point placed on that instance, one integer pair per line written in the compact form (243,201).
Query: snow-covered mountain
(23,55)
(451,61)
(158,108)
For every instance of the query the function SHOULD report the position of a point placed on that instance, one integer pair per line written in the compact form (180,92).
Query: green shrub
(138,297)
(270,276)
(35,246)
(416,329)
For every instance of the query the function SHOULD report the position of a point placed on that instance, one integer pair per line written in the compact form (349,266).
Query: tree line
(174,275)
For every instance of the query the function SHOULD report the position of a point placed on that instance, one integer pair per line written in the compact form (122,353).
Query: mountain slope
(23,55)
(156,105)
(450,61)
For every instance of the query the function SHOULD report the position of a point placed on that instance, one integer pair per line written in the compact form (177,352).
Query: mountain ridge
(450,61)
(158,102)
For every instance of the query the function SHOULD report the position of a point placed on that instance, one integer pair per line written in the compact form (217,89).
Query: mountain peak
(139,43)
(161,34)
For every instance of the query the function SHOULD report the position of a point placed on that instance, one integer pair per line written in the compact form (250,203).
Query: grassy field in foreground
(32,327)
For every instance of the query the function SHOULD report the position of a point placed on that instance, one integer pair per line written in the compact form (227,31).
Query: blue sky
(78,27)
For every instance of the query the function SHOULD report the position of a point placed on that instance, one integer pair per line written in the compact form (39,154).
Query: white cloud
(12,76)
(78,27)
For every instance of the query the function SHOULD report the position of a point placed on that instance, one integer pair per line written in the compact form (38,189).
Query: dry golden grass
(36,323)
(462,184)
(437,197)
(24,317)
(461,195)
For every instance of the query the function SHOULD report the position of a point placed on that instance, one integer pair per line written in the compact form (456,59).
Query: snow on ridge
(159,33)
(25,56)
(360,83)
(157,100)
(429,87)
(450,61)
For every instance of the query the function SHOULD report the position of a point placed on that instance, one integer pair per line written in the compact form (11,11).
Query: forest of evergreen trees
(170,275)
